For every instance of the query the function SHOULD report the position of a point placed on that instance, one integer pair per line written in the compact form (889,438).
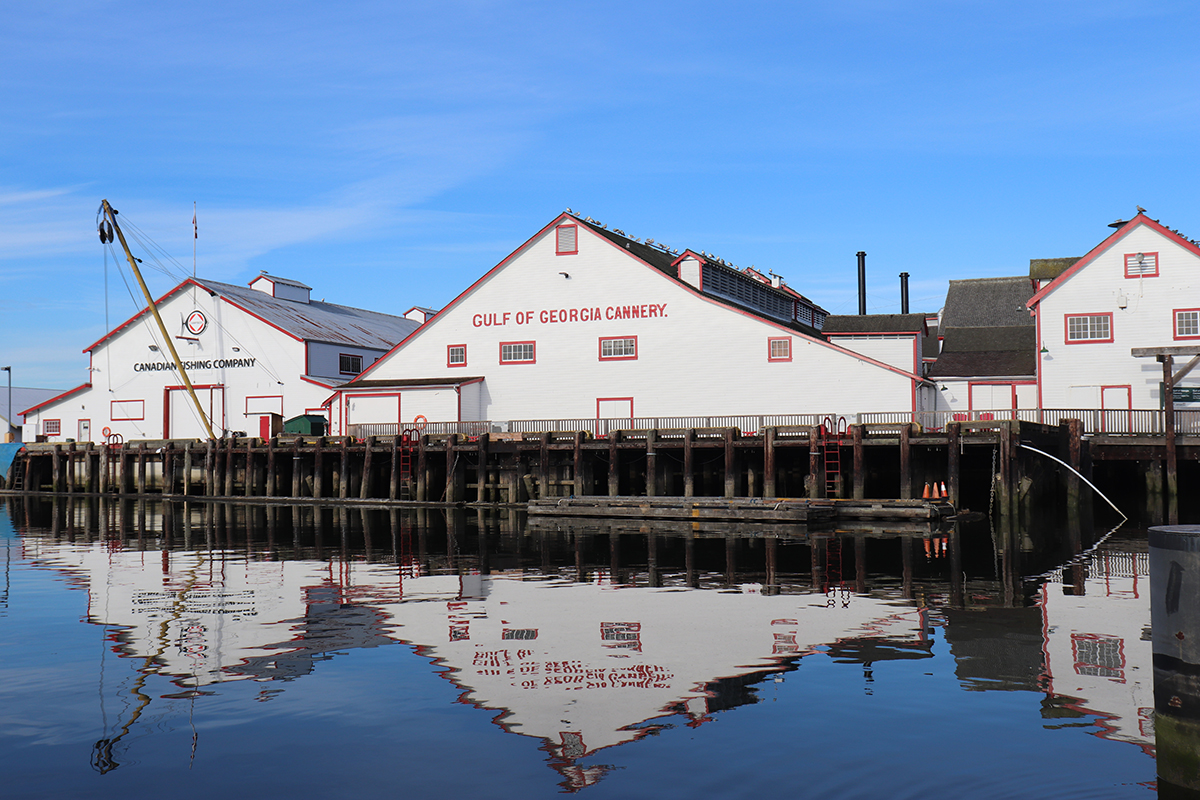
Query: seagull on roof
(1140,209)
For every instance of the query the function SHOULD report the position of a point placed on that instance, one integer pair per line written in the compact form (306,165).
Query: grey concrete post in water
(1175,621)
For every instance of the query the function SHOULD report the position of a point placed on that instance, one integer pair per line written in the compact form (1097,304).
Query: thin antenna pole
(195,236)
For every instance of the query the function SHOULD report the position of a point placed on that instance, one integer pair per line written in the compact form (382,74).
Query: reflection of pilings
(860,564)
(906,566)
(1175,622)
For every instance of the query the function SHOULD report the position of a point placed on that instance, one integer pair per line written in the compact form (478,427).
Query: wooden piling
(576,465)
(860,472)
(297,467)
(251,480)
(422,468)
(344,470)
(953,461)
(394,475)
(614,483)
(651,465)
(141,468)
(318,473)
(689,463)
(543,473)
(906,482)
(271,467)
(230,466)
(365,488)
(816,482)
(730,460)
(769,477)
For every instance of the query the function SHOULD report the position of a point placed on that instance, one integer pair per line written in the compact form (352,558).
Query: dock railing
(1112,422)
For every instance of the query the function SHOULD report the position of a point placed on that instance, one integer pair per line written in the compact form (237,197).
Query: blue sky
(388,154)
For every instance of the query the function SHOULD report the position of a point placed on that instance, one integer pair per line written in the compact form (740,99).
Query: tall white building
(582,322)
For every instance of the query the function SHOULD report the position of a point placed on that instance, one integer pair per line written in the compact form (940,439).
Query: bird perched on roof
(1140,209)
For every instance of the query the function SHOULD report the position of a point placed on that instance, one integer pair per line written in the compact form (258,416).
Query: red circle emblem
(196,322)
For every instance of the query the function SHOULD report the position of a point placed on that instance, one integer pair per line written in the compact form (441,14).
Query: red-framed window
(1141,265)
(566,240)
(52,427)
(618,348)
(127,410)
(1101,656)
(349,364)
(456,355)
(779,348)
(1088,328)
(1187,323)
(518,352)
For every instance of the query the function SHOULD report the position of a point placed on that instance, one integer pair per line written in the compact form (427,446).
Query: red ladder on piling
(408,440)
(831,447)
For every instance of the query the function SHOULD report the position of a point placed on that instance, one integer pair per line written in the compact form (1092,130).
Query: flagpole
(195,236)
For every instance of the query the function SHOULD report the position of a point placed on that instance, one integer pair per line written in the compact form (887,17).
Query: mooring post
(230,465)
(576,468)
(1169,423)
(141,468)
(365,488)
(1004,492)
(953,461)
(56,468)
(251,480)
(1154,491)
(614,483)
(769,462)
(483,472)
(318,473)
(297,467)
(730,461)
(209,468)
(689,464)
(187,468)
(860,471)
(651,464)
(71,486)
(454,471)
(344,469)
(815,484)
(423,468)
(271,467)
(1073,430)
(544,464)
(906,483)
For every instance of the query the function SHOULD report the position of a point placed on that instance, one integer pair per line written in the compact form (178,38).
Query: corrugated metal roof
(319,321)
(284,281)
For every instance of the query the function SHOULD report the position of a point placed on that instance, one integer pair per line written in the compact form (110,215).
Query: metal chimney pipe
(862,282)
(903,292)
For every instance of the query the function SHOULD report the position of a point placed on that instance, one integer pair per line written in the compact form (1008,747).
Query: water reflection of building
(581,661)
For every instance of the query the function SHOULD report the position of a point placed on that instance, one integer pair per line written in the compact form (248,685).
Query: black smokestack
(903,292)
(862,282)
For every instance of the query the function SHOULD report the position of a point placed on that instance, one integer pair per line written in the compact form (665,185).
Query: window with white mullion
(1095,327)
(1187,323)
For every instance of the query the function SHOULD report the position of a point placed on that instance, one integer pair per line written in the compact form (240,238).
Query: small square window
(1187,323)
(52,427)
(517,353)
(349,365)
(456,355)
(779,349)
(1141,265)
(566,240)
(618,348)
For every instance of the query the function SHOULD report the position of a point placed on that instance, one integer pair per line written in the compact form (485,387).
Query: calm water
(214,651)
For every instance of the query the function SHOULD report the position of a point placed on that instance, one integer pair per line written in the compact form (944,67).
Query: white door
(989,398)
(1115,402)
(613,413)
(85,431)
(182,419)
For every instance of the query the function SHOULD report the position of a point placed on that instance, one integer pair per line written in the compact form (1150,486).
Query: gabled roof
(1009,352)
(659,259)
(23,397)
(875,323)
(312,322)
(988,303)
(277,279)
(56,398)
(1120,233)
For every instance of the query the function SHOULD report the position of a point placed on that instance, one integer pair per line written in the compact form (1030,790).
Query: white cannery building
(255,355)
(583,322)
(1138,288)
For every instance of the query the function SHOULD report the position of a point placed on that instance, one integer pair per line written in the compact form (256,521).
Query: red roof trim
(141,314)
(1113,238)
(55,399)
(245,310)
(307,379)
(686,253)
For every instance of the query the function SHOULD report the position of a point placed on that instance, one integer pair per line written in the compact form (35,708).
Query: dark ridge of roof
(320,321)
(1044,269)
(663,261)
(988,302)
(875,323)
(993,352)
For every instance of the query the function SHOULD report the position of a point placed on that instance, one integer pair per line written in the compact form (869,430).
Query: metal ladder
(831,447)
(407,443)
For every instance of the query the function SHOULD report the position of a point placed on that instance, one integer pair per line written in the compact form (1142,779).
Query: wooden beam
(1146,352)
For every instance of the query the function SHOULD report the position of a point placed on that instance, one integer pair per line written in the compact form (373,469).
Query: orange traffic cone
(944,489)
(934,494)
(925,495)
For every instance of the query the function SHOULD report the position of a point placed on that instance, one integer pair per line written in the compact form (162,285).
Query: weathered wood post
(422,468)
(318,486)
(1154,491)
(483,493)
(251,478)
(72,484)
(141,468)
(769,477)
(906,487)
(297,467)
(689,463)
(230,466)
(860,472)
(365,489)
(210,466)
(394,479)
(271,474)
(816,485)
(730,464)
(614,482)
(953,461)
(454,472)
(344,469)
(187,470)
(576,467)
(544,464)
(651,464)
(56,470)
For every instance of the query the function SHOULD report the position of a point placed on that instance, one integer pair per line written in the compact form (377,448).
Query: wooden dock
(742,509)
